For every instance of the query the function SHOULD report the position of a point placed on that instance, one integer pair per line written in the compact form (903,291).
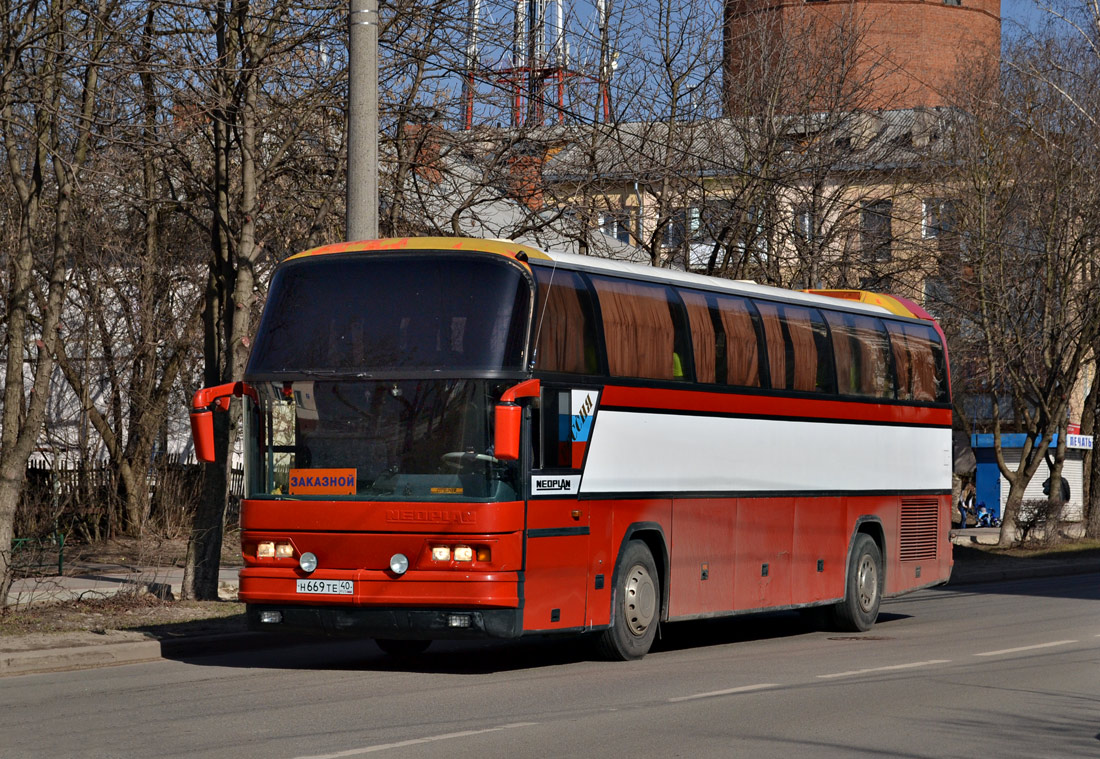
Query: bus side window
(861,351)
(743,354)
(564,327)
(919,359)
(556,448)
(799,357)
(704,336)
(641,334)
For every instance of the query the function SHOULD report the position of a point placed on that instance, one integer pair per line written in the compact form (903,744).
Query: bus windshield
(396,316)
(403,440)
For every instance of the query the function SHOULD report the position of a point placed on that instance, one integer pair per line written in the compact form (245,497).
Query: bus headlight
(441,553)
(464,553)
(308,562)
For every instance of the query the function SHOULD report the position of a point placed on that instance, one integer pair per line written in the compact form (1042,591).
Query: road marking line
(415,741)
(1026,648)
(727,692)
(890,668)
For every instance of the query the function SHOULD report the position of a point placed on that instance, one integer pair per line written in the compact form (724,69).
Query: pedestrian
(1065,489)
(966,504)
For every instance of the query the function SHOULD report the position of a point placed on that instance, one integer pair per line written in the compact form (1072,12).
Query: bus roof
(855,300)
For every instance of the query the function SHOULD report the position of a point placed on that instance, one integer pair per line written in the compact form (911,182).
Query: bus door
(558,524)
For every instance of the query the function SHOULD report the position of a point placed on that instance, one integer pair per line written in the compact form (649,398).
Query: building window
(875,234)
(714,217)
(682,227)
(952,2)
(804,223)
(938,219)
(618,224)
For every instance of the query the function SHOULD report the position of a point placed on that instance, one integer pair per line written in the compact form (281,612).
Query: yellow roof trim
(889,302)
(500,247)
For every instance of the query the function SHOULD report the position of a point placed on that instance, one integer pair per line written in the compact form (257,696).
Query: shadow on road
(1085,587)
(487,657)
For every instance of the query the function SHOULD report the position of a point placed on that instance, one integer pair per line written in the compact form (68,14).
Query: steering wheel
(458,459)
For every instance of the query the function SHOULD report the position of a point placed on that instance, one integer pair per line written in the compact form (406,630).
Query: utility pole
(361,215)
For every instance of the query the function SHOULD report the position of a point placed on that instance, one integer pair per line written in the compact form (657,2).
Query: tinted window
(798,350)
(861,350)
(374,313)
(724,338)
(703,334)
(741,329)
(564,329)
(918,355)
(640,330)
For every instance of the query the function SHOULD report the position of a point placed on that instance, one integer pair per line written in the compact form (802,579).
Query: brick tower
(901,53)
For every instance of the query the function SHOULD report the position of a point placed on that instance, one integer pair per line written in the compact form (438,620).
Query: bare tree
(49,95)
(261,89)
(1071,69)
(132,325)
(1022,279)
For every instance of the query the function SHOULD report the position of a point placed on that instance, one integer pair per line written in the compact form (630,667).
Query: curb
(977,576)
(78,657)
(109,654)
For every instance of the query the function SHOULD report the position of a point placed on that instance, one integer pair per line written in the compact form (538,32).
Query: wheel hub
(867,584)
(641,600)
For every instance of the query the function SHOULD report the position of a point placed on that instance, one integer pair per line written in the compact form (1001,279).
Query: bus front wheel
(863,588)
(636,605)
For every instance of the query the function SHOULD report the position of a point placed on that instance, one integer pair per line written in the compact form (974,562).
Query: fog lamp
(441,553)
(271,617)
(284,551)
(458,620)
(308,562)
(265,549)
(399,564)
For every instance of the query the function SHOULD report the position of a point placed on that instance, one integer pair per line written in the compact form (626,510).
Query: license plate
(331,587)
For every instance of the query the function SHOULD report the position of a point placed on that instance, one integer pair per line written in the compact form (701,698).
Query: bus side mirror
(203,405)
(506,428)
(508,419)
(202,430)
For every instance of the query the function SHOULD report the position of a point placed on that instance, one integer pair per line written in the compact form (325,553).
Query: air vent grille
(919,529)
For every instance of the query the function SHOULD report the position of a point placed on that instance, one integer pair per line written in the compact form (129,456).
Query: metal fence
(81,498)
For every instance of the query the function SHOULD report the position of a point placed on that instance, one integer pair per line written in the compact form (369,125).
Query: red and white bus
(456,438)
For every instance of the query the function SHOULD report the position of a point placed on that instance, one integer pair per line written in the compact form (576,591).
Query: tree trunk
(11,486)
(204,547)
(1092,505)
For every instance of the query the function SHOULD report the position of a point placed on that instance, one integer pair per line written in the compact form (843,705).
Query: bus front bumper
(398,622)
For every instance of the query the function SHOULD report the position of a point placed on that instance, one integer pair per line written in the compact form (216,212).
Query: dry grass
(142,613)
(137,611)
(1061,549)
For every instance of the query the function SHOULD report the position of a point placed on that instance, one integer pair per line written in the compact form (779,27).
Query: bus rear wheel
(636,606)
(863,588)
(400,648)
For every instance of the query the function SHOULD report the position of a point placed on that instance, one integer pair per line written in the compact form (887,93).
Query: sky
(1022,12)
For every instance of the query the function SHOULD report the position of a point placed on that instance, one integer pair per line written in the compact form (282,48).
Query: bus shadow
(1053,582)
(488,657)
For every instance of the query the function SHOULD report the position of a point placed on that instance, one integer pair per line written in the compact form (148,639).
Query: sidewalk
(984,535)
(87,581)
(55,652)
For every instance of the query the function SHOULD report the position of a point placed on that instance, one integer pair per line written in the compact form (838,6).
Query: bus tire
(862,588)
(401,648)
(636,606)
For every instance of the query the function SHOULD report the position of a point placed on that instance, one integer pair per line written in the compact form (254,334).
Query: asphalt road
(999,669)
